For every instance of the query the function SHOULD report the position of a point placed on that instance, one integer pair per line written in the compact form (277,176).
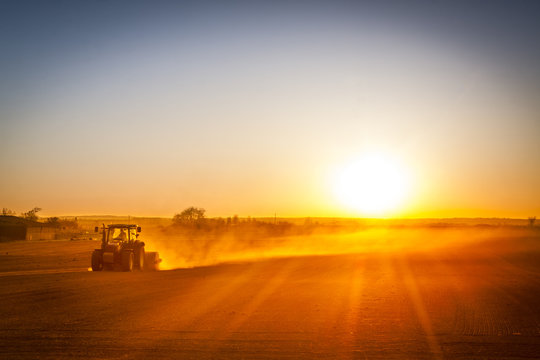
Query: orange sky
(252,109)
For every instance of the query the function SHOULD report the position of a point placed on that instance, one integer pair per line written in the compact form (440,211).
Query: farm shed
(16,228)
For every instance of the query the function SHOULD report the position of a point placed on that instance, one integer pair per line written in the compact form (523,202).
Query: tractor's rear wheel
(97,261)
(139,258)
(127,260)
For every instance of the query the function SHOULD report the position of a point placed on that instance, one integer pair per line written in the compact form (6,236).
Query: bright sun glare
(374,185)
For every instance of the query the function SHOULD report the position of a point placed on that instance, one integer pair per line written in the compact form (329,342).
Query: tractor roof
(131,226)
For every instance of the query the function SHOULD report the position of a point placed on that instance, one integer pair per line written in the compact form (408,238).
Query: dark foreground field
(475,301)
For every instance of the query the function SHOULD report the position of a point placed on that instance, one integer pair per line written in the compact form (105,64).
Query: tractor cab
(121,233)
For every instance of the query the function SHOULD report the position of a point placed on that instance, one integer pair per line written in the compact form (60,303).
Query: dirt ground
(475,301)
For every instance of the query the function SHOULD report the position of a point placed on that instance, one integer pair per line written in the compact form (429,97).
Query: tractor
(121,250)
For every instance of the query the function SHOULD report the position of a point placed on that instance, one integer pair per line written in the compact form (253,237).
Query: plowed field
(477,301)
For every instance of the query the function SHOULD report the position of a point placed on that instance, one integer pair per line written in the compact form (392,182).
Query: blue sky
(249,107)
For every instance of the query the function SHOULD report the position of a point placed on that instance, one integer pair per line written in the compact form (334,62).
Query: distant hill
(96,220)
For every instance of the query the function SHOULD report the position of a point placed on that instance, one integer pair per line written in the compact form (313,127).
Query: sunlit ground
(380,294)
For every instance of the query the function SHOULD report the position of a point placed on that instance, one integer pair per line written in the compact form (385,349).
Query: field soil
(479,300)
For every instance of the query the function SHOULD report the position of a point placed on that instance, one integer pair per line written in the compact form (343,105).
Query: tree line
(193,220)
(32,215)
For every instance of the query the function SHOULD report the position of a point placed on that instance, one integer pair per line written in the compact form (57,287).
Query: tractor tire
(139,258)
(97,261)
(127,260)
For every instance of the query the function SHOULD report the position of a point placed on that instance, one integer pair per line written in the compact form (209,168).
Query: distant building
(16,228)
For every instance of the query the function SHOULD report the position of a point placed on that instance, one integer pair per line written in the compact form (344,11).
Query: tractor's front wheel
(127,260)
(97,261)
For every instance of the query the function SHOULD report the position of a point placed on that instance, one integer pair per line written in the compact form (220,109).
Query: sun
(372,185)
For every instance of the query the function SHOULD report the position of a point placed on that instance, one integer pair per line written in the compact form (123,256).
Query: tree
(189,216)
(53,221)
(7,212)
(31,214)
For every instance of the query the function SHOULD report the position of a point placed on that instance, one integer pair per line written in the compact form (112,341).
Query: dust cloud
(186,249)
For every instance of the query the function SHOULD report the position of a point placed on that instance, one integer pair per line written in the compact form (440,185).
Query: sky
(144,108)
